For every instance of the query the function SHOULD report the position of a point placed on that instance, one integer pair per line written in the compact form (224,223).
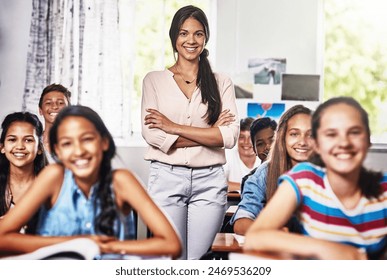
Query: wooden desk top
(225,242)
(231,210)
(234,195)
(259,256)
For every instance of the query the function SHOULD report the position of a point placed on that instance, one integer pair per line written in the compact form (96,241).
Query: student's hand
(109,248)
(101,239)
(157,120)
(112,246)
(225,118)
(103,242)
(338,251)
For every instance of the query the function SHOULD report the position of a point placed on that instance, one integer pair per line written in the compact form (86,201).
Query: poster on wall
(260,110)
(243,84)
(300,87)
(241,92)
(267,70)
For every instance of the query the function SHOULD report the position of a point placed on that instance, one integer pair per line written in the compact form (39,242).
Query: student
(342,207)
(262,132)
(189,117)
(240,160)
(84,196)
(54,98)
(291,146)
(260,137)
(21,158)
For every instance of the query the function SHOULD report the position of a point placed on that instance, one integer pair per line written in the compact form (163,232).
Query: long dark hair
(369,180)
(40,160)
(206,78)
(279,160)
(104,222)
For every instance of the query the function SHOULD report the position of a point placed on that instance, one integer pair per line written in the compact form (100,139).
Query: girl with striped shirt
(341,206)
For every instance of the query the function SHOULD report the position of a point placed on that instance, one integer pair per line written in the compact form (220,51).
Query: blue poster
(260,110)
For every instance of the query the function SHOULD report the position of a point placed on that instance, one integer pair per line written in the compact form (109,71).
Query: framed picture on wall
(300,87)
(243,85)
(241,92)
(267,70)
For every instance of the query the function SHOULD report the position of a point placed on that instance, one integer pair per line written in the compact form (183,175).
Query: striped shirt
(323,216)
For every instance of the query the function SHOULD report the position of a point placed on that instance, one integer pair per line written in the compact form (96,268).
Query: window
(144,27)
(355,57)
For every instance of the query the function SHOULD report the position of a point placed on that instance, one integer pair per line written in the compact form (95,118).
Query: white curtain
(76,43)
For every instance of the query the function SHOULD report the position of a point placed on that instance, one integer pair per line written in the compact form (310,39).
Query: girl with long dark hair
(83,195)
(22,157)
(341,205)
(291,146)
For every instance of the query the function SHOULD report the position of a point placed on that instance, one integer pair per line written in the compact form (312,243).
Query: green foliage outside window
(355,57)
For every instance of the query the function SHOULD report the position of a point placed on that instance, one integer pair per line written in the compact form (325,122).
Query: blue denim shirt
(74,213)
(253,195)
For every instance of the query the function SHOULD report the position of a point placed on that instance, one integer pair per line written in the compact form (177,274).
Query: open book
(79,249)
(75,249)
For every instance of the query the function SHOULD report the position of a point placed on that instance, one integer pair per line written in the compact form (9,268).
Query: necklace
(184,79)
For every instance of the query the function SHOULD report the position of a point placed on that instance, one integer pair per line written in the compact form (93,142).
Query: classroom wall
(15,17)
(269,29)
(266,29)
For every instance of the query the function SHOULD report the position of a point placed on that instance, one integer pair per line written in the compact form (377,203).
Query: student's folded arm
(241,225)
(272,217)
(266,235)
(300,246)
(164,240)
(40,193)
(252,202)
